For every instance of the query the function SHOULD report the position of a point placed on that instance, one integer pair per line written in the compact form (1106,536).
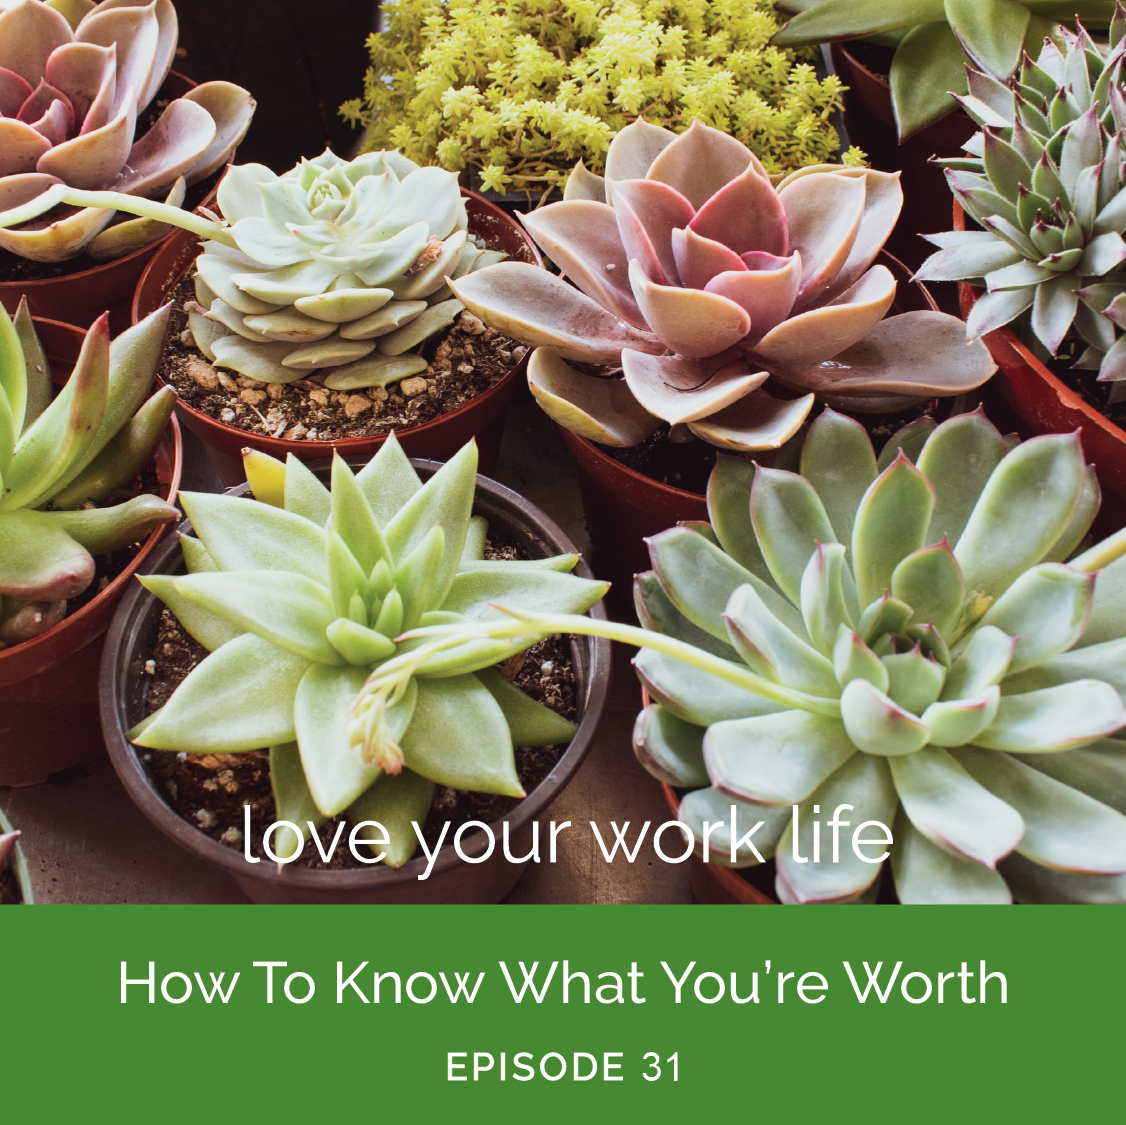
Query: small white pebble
(465,368)
(547,667)
(206,818)
(147,757)
(232,836)
(182,756)
(150,667)
(610,266)
(226,415)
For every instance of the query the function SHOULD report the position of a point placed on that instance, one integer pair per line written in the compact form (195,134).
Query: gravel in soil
(209,791)
(464,363)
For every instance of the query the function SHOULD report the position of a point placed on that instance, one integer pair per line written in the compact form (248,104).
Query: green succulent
(902,636)
(61,456)
(301,595)
(1046,180)
(11,858)
(334,265)
(518,92)
(935,39)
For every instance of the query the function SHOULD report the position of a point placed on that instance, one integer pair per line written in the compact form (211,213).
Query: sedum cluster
(301,596)
(518,92)
(913,636)
(699,278)
(1046,180)
(934,40)
(336,264)
(74,77)
(60,457)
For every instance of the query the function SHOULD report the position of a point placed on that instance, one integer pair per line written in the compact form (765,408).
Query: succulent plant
(60,457)
(700,278)
(516,91)
(335,264)
(1046,180)
(70,97)
(902,636)
(300,597)
(934,39)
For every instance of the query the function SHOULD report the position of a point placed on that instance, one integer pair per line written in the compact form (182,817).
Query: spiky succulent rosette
(69,101)
(1046,180)
(700,278)
(301,595)
(933,40)
(336,264)
(61,456)
(912,637)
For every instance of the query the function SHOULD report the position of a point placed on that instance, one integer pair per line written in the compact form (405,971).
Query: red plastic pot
(870,122)
(81,297)
(623,506)
(452,880)
(49,685)
(482,417)
(1046,405)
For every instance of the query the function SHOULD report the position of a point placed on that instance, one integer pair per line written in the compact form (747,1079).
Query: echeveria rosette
(59,457)
(336,264)
(70,97)
(301,598)
(905,637)
(701,279)
(1046,180)
(934,39)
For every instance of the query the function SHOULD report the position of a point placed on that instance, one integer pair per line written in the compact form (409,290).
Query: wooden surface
(86,842)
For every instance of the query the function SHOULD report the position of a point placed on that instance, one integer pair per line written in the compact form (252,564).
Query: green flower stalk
(1046,180)
(934,40)
(301,597)
(60,457)
(519,92)
(914,636)
(336,264)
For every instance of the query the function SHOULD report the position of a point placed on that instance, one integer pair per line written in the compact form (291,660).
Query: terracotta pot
(482,417)
(871,125)
(81,297)
(1046,405)
(623,506)
(49,685)
(18,864)
(452,880)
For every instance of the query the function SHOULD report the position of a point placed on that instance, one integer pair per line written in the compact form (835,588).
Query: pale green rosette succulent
(336,264)
(60,456)
(302,599)
(911,636)
(1046,180)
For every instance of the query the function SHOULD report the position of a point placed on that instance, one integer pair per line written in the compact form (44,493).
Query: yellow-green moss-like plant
(517,91)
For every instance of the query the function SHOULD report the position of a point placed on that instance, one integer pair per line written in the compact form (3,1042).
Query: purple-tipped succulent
(700,277)
(70,97)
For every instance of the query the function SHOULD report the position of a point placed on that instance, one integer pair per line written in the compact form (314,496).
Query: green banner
(479,1013)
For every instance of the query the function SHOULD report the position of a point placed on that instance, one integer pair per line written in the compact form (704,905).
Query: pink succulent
(69,101)
(701,278)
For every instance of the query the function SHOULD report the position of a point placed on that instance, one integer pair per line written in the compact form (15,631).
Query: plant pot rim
(92,274)
(31,652)
(126,760)
(683,496)
(314,450)
(18,864)
(1007,338)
